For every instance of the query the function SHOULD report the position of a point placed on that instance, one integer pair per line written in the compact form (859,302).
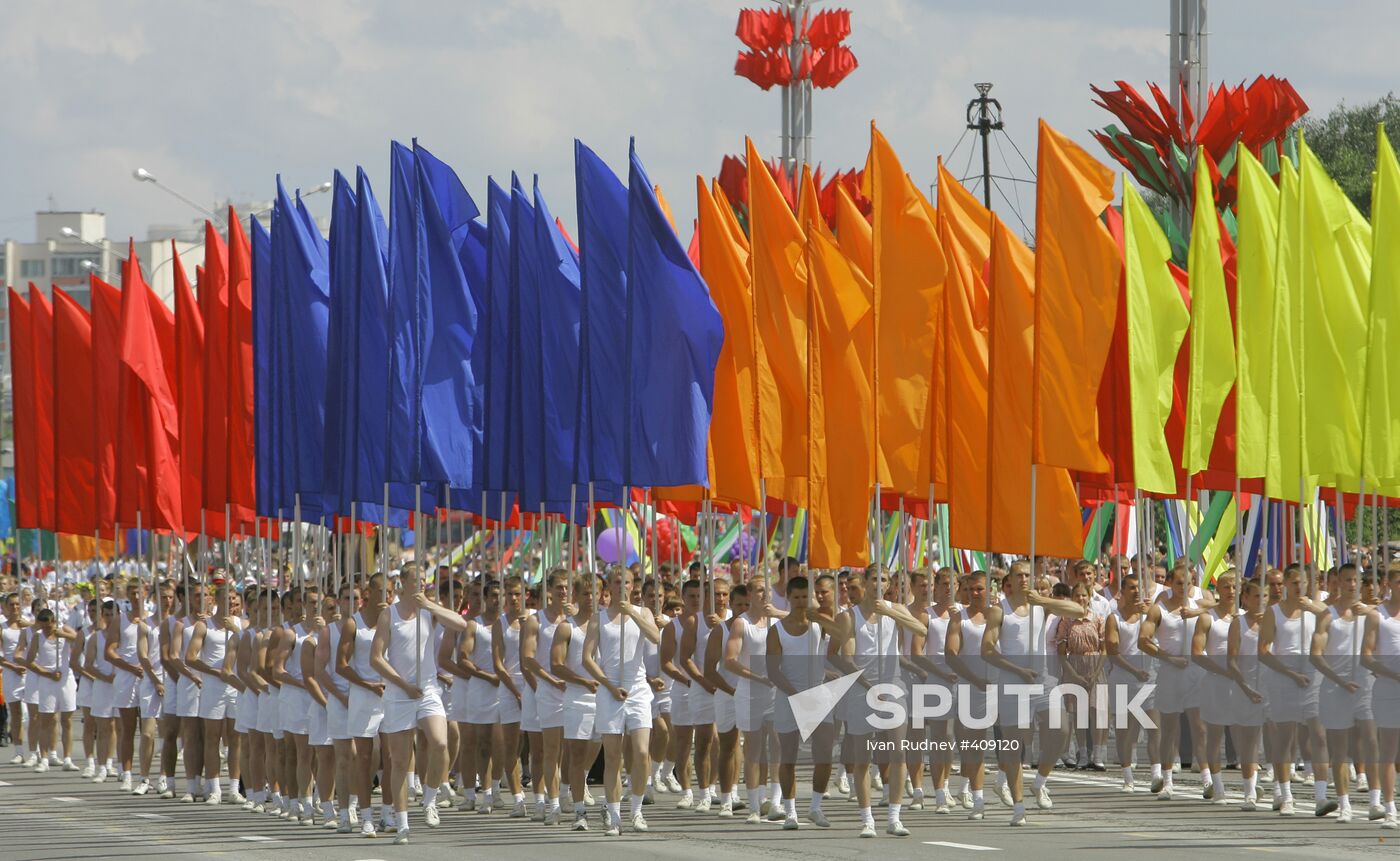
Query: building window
(31,269)
(72,266)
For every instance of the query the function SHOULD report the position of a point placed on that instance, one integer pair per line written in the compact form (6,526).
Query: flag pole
(384,535)
(573,536)
(592,573)
(762,533)
(417,549)
(1239,529)
(1035,581)
(1189,528)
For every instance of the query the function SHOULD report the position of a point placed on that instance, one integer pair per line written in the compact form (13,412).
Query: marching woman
(103,675)
(1164,636)
(1210,647)
(536,640)
(122,652)
(48,665)
(505,657)
(402,655)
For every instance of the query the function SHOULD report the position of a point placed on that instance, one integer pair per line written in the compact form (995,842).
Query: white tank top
(359,657)
(802,664)
(52,654)
(153,647)
(936,639)
(651,655)
(544,638)
(9,640)
(619,655)
(214,652)
(294,659)
(186,634)
(970,650)
(729,677)
(1249,648)
(511,649)
(409,648)
(1128,632)
(876,647)
(1218,637)
(481,649)
(1387,633)
(573,659)
(100,662)
(1016,631)
(340,682)
(702,641)
(1292,636)
(1171,632)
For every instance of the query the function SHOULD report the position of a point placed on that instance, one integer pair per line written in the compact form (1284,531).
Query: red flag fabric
(41,345)
(189,398)
(22,379)
(240,481)
(148,476)
(214,310)
(106,302)
(74,420)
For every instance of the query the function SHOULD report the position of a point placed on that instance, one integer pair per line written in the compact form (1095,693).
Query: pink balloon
(615,545)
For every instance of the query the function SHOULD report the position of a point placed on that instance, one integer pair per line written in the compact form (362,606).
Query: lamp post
(70,233)
(140,174)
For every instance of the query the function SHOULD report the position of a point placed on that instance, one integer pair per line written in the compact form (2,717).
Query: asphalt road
(57,815)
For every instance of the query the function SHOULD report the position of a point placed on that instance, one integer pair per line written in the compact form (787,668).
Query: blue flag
(264,393)
(450,416)
(405,322)
(525,448)
(674,338)
(602,225)
(497,338)
(302,278)
(340,340)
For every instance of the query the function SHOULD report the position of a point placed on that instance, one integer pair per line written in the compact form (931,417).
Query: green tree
(1345,142)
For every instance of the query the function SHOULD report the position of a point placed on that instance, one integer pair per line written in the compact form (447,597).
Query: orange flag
(841,360)
(853,233)
(962,227)
(736,231)
(779,270)
(733,438)
(1012,353)
(1076,303)
(909,273)
(809,211)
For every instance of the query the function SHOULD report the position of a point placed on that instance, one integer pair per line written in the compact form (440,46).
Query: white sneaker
(672,785)
(1004,795)
(916,802)
(125,785)
(484,807)
(187,798)
(1344,815)
(1128,787)
(649,795)
(1375,811)
(551,816)
(236,797)
(588,798)
(1286,809)
(1362,784)
(754,818)
(332,822)
(18,760)
(401,837)
(213,799)
(32,760)
(979,810)
(580,822)
(686,803)
(258,807)
(1390,823)
(612,830)
(431,816)
(1165,794)
(639,823)
(775,813)
(142,788)
(942,808)
(843,785)
(518,811)
(538,815)
(1250,804)
(69,765)
(1322,808)
(703,805)
(726,809)
(966,799)
(867,830)
(306,819)
(1042,798)
(367,827)
(1018,819)
(817,818)
(100,776)
(897,829)
(790,823)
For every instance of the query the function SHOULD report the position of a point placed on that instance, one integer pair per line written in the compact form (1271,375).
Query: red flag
(214,309)
(74,419)
(148,478)
(22,375)
(41,345)
(106,375)
(240,480)
(189,397)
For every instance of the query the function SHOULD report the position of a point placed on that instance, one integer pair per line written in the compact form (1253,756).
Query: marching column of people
(306,707)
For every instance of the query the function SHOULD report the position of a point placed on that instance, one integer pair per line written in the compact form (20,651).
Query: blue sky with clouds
(216,98)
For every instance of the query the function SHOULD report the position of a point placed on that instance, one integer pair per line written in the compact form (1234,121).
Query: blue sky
(216,98)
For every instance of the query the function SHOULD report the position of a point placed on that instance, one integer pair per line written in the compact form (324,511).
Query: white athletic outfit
(187,704)
(55,697)
(483,697)
(1385,695)
(549,700)
(270,710)
(1014,642)
(103,703)
(700,702)
(753,701)
(1337,708)
(509,709)
(1124,686)
(1289,702)
(30,693)
(620,659)
(245,713)
(1178,688)
(294,703)
(150,702)
(337,713)
(803,664)
(217,698)
(877,657)
(406,657)
(680,693)
(170,704)
(580,704)
(651,656)
(726,715)
(973,700)
(12,681)
(318,730)
(1248,713)
(1219,693)
(935,649)
(126,692)
(366,709)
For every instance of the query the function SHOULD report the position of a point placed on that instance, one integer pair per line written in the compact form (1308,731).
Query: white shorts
(294,710)
(701,705)
(269,712)
(147,700)
(1339,709)
(56,697)
(529,717)
(126,693)
(366,713)
(725,718)
(246,713)
(1218,694)
(1178,688)
(13,684)
(549,706)
(616,718)
(680,704)
(170,703)
(187,704)
(30,696)
(1385,703)
(509,708)
(580,714)
(217,699)
(102,706)
(318,726)
(454,700)
(337,719)
(753,705)
(483,701)
(1288,701)
(402,715)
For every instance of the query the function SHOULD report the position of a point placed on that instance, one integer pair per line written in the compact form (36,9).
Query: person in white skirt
(48,668)
(365,715)
(245,722)
(13,670)
(401,653)
(967,623)
(546,690)
(1290,684)
(294,704)
(1210,649)
(269,725)
(152,689)
(483,693)
(1344,699)
(660,686)
(612,655)
(122,653)
(580,698)
(505,656)
(1128,671)
(1249,708)
(700,696)
(1380,653)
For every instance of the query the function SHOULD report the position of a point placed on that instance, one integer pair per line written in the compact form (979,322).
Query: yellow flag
(909,272)
(1212,367)
(1157,321)
(1284,467)
(1380,441)
(777,261)
(1336,283)
(1254,306)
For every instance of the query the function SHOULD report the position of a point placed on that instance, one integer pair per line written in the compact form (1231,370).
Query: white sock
(563,792)
(328,811)
(1218,781)
(775,793)
(666,767)
(977,796)
(554,804)
(1390,808)
(386,814)
(726,799)
(894,811)
(1205,775)
(401,819)
(1288,791)
(1375,796)
(866,817)
(615,812)
(1039,782)
(634,804)
(1156,770)
(754,803)
(345,815)
(1319,790)
(1128,774)
(816,804)
(1019,808)
(1344,803)
(1249,784)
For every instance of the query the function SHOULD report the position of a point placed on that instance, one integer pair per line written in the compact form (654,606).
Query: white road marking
(969,846)
(67,799)
(258,838)
(157,816)
(5,783)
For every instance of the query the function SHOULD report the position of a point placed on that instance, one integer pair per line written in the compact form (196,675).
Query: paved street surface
(59,816)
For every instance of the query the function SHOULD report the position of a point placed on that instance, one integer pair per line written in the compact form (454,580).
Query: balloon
(615,545)
(746,545)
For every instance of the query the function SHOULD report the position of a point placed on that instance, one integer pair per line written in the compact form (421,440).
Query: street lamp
(140,174)
(94,268)
(72,234)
